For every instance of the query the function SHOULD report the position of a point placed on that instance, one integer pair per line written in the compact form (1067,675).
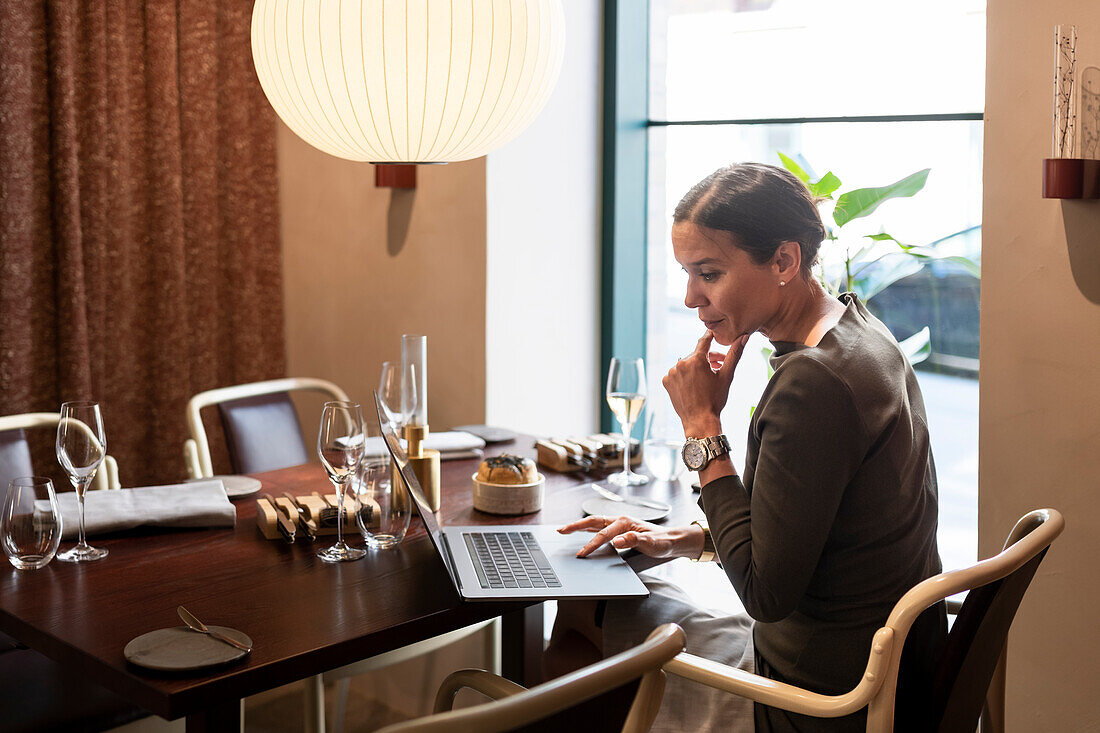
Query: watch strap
(708,554)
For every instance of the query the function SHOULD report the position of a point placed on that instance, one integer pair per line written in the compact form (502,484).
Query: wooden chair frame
(877,688)
(196,449)
(107,475)
(514,706)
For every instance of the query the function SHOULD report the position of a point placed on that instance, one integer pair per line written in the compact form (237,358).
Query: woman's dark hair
(761,205)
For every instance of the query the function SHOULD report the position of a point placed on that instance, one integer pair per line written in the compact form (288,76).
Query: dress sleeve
(812,442)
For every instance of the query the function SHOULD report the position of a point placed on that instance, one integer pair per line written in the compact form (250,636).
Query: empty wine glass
(340,447)
(81,446)
(392,389)
(30,522)
(626,393)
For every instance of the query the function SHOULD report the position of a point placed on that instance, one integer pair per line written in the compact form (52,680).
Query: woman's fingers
(591,523)
(703,345)
(729,364)
(605,535)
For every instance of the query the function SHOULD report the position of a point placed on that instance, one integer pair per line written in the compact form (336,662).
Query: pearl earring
(782,283)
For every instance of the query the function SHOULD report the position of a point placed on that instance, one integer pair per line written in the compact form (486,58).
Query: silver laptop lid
(401,460)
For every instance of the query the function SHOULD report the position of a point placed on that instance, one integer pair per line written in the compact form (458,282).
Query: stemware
(397,390)
(626,393)
(81,445)
(30,522)
(340,447)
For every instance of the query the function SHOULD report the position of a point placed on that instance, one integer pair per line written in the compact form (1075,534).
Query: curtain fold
(139,235)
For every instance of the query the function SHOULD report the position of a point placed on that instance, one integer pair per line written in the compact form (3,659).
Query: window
(869,90)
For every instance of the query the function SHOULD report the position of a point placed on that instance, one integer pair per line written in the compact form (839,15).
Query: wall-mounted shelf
(1071,178)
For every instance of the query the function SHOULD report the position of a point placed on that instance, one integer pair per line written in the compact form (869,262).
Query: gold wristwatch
(708,554)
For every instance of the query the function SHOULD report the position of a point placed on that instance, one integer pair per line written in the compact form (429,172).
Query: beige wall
(362,265)
(1040,354)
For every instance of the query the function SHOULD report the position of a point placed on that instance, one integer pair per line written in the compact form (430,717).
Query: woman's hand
(624,533)
(699,385)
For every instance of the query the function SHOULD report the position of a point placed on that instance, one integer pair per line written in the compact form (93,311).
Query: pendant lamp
(407,81)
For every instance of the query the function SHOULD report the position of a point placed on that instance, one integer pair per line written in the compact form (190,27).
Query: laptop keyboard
(510,560)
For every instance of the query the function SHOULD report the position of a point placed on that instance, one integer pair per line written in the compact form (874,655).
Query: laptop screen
(401,460)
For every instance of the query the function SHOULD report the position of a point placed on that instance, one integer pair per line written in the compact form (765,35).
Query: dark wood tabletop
(303,615)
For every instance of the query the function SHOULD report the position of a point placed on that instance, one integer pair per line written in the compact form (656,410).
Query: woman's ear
(787,260)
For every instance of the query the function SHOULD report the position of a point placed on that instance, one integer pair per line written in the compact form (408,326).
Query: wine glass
(81,446)
(391,390)
(340,447)
(626,392)
(30,522)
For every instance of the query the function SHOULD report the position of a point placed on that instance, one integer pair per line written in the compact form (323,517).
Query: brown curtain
(139,235)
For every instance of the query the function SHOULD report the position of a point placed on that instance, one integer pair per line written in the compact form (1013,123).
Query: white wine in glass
(626,393)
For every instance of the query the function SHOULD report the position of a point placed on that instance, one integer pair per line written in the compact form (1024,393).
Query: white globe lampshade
(407,81)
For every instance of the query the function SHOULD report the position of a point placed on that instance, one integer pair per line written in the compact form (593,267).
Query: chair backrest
(578,700)
(261,425)
(977,640)
(15,452)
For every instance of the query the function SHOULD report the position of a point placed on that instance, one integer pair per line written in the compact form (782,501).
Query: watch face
(695,455)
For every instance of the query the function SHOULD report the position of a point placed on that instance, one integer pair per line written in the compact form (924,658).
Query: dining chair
(15,452)
(969,673)
(261,425)
(591,698)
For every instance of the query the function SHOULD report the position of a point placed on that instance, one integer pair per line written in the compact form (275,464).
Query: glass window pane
(767,59)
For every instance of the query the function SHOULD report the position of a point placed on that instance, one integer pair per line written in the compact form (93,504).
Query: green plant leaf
(767,352)
(884,237)
(972,267)
(917,347)
(795,168)
(863,201)
(825,187)
(870,281)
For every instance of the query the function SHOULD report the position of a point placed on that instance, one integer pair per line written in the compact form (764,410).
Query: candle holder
(424,462)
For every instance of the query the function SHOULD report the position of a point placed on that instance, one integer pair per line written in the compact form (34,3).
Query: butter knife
(283,522)
(635,500)
(195,625)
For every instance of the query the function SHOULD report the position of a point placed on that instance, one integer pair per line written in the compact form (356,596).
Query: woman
(834,516)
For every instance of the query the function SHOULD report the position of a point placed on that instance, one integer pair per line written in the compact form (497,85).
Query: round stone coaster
(179,649)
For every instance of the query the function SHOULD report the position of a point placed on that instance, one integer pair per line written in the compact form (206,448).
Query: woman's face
(731,293)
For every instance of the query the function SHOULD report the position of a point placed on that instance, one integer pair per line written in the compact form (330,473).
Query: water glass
(663,443)
(30,522)
(383,506)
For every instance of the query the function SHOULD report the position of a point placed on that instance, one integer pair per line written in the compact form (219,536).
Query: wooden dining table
(304,616)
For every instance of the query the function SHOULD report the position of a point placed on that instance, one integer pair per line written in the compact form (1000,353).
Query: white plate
(607,508)
(236,486)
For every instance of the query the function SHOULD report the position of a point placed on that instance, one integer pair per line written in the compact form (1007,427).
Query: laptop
(521,562)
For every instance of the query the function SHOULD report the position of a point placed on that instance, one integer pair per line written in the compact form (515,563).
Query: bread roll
(507,469)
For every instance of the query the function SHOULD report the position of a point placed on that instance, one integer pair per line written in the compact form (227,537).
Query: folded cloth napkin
(452,444)
(196,504)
